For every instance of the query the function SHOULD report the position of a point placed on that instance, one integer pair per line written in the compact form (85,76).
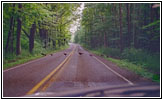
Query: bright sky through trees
(76,23)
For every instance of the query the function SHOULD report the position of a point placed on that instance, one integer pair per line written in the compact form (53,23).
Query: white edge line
(24,64)
(114,72)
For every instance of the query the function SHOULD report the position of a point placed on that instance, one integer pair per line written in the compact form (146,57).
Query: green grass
(137,69)
(141,57)
(17,61)
(11,60)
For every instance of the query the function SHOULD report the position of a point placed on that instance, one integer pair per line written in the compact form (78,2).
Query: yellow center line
(37,86)
(53,78)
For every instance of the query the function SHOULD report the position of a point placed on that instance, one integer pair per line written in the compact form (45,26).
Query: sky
(76,24)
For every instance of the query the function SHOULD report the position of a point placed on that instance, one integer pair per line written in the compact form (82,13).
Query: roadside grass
(11,60)
(136,68)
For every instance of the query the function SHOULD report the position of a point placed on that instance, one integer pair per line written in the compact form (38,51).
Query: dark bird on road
(51,54)
(43,54)
(65,53)
(90,55)
(80,53)
(101,55)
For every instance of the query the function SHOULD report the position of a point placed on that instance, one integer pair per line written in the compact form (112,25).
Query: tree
(128,23)
(31,37)
(10,33)
(19,26)
(120,28)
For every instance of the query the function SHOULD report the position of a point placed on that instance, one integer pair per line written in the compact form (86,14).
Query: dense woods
(30,28)
(121,26)
(125,31)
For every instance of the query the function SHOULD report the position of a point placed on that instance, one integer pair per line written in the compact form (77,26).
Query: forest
(126,31)
(32,30)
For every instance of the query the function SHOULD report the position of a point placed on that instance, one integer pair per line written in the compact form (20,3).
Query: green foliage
(100,26)
(150,62)
(11,60)
(152,24)
(112,52)
(143,58)
(133,54)
(140,38)
(138,69)
(24,42)
(52,28)
(136,60)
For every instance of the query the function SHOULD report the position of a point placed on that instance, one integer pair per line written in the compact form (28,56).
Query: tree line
(116,25)
(47,23)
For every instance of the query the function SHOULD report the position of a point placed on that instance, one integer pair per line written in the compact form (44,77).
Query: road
(60,73)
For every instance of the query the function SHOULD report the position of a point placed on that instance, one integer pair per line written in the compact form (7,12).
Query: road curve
(59,73)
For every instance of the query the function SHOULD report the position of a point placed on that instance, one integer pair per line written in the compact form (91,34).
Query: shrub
(112,52)
(137,60)
(140,57)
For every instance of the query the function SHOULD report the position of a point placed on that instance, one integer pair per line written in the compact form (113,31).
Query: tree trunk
(10,36)
(120,28)
(85,37)
(31,37)
(128,24)
(133,27)
(18,44)
(105,39)
(152,29)
(54,44)
(104,36)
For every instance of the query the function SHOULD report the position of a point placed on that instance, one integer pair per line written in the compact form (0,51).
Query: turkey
(80,53)
(65,53)
(90,55)
(101,55)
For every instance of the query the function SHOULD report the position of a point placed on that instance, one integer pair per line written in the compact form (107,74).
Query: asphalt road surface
(74,72)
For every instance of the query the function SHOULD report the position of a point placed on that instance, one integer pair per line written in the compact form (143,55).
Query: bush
(112,52)
(148,61)
(10,59)
(136,60)
(133,54)
(140,57)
